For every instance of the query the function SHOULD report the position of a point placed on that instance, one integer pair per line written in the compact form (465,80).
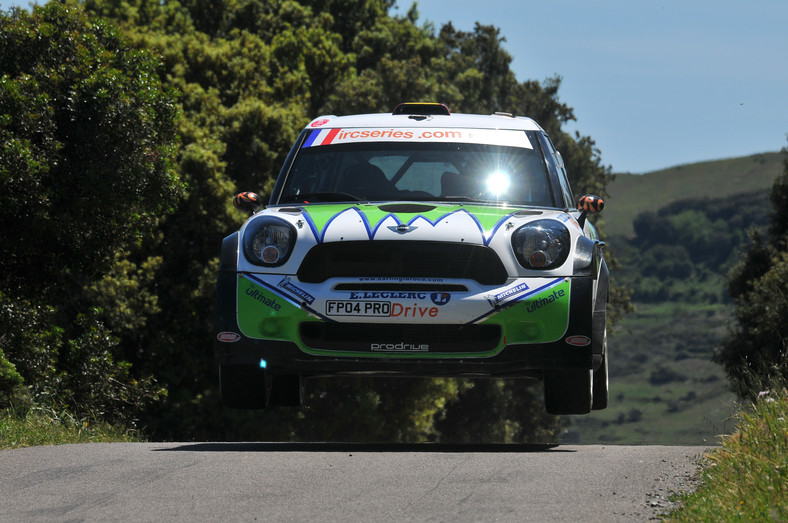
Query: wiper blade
(460,199)
(320,197)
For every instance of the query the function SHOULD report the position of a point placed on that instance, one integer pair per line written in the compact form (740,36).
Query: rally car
(416,243)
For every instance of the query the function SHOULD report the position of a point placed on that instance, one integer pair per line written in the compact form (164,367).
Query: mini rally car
(418,243)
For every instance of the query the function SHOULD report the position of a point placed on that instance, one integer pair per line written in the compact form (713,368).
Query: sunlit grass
(48,427)
(746,479)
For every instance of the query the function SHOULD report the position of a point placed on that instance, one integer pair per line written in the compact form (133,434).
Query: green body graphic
(488,217)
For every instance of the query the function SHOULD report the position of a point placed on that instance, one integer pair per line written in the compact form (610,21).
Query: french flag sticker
(321,137)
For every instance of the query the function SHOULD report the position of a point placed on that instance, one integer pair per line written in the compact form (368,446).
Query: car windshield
(408,171)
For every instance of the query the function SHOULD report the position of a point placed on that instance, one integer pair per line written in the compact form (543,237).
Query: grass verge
(48,427)
(746,479)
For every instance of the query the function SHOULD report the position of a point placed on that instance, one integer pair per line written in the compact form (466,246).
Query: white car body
(465,257)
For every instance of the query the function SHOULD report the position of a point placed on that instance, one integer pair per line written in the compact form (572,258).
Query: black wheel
(601,382)
(568,391)
(286,391)
(244,386)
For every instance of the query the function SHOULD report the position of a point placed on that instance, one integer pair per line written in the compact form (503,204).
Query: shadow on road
(363,447)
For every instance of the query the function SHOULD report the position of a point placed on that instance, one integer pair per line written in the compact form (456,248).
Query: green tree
(87,136)
(86,141)
(10,381)
(498,411)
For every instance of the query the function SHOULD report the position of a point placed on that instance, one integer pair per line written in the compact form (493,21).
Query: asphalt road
(340,482)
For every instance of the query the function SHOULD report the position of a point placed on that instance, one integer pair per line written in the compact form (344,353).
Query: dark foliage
(755,355)
(86,146)
(86,142)
(683,251)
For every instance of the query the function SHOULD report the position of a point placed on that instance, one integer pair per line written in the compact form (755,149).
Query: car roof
(458,120)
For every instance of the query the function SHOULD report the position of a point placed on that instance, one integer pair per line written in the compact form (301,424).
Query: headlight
(269,241)
(541,244)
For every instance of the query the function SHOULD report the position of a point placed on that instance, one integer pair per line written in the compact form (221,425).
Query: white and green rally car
(418,243)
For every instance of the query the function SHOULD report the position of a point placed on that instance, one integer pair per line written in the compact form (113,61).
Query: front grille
(402,259)
(359,337)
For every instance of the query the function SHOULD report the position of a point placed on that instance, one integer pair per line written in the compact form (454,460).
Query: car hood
(408,220)
(485,225)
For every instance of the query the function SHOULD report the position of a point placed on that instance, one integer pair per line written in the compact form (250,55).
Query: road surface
(341,482)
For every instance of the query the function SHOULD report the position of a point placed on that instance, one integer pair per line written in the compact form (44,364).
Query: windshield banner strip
(506,138)
(321,137)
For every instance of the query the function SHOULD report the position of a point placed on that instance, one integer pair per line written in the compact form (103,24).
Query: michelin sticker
(499,298)
(287,285)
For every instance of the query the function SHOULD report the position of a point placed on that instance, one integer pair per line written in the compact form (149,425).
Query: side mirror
(588,203)
(247,201)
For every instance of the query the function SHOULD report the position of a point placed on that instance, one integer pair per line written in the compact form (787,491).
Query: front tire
(287,390)
(244,386)
(600,386)
(568,391)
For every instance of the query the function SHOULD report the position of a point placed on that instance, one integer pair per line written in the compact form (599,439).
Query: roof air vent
(422,108)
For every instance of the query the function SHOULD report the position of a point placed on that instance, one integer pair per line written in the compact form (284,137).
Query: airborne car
(417,243)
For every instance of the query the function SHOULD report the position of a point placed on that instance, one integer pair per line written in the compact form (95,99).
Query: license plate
(358,308)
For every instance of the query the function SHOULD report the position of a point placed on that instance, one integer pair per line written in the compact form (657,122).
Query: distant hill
(631,194)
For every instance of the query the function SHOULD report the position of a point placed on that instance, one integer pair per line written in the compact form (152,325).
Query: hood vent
(520,214)
(406,208)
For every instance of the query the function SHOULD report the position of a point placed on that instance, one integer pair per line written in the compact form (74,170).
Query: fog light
(269,326)
(529,330)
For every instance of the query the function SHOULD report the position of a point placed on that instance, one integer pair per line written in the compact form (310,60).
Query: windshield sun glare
(497,183)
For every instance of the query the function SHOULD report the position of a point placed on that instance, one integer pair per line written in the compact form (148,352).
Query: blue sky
(655,84)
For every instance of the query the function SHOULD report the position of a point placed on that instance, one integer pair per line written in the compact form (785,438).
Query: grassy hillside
(664,388)
(631,194)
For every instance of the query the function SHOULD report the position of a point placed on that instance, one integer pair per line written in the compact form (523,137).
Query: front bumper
(455,353)
(513,361)
(526,327)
